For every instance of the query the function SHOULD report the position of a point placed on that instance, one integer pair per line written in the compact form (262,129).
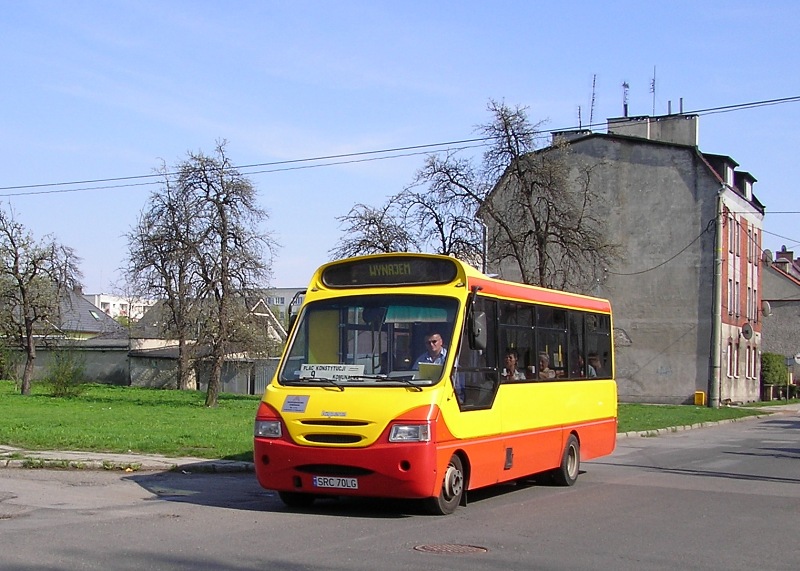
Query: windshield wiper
(404,380)
(315,379)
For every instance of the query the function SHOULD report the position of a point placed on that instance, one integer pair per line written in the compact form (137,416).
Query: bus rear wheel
(296,499)
(452,489)
(567,473)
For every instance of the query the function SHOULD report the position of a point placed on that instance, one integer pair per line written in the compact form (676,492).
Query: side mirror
(477,331)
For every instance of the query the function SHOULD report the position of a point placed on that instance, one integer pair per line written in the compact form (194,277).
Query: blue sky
(105,89)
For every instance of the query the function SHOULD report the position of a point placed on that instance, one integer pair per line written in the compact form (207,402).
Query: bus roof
(418,269)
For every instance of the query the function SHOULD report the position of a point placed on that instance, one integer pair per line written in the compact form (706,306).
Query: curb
(673,429)
(51,460)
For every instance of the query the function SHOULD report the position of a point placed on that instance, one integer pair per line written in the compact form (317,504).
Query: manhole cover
(450,548)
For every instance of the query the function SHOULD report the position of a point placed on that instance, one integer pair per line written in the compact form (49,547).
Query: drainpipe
(716,325)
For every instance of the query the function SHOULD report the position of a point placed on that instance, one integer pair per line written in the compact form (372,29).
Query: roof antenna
(653,90)
(591,108)
(625,87)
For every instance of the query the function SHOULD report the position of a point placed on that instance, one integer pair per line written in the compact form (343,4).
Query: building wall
(153,372)
(116,306)
(660,203)
(107,365)
(781,329)
(740,300)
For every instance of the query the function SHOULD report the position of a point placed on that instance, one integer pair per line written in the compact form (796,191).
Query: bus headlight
(410,433)
(268,428)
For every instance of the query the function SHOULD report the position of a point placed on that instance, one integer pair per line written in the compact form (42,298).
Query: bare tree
(163,247)
(541,210)
(441,225)
(234,253)
(537,206)
(445,212)
(35,275)
(201,246)
(368,230)
(411,220)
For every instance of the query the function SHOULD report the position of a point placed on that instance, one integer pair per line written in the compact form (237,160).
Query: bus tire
(452,489)
(296,499)
(567,473)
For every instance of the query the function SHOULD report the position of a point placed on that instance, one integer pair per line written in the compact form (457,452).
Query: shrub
(773,369)
(65,374)
(9,363)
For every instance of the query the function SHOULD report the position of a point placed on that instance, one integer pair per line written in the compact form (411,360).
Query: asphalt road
(725,497)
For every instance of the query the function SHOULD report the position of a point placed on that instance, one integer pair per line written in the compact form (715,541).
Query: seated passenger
(545,372)
(510,372)
(594,362)
(581,369)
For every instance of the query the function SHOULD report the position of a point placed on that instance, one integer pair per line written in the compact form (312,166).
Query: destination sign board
(389,271)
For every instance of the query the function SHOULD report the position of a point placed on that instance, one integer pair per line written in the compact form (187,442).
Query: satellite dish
(766,308)
(767,256)
(747,331)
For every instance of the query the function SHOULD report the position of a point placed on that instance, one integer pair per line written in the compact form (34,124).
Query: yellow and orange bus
(359,406)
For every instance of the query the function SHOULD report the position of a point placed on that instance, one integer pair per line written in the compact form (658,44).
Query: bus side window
(476,376)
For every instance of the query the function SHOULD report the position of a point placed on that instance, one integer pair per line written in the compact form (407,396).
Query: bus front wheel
(567,473)
(452,488)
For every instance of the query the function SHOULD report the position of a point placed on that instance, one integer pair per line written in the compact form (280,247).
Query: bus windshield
(375,340)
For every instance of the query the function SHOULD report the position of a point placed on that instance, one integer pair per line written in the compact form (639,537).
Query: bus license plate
(335,482)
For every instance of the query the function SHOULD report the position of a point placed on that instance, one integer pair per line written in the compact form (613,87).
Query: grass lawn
(642,417)
(176,423)
(122,419)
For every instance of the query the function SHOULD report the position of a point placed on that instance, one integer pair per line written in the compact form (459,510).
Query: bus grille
(328,422)
(333,438)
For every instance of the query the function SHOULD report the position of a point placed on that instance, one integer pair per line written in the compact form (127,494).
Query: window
(749,306)
(730,296)
(737,231)
(731,224)
(755,304)
(476,377)
(730,359)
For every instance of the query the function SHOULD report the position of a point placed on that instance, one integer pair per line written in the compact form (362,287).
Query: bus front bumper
(390,470)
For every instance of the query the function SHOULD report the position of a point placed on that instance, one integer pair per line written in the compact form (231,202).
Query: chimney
(675,129)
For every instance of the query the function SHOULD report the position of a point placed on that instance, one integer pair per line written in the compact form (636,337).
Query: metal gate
(263,370)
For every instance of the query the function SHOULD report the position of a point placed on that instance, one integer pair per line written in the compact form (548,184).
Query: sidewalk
(11,457)
(792,409)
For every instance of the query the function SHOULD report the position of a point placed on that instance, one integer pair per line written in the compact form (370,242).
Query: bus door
(475,379)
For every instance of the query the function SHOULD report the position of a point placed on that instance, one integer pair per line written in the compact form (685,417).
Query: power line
(339,159)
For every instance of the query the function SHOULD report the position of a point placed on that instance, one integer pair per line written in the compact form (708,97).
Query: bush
(9,363)
(65,374)
(773,369)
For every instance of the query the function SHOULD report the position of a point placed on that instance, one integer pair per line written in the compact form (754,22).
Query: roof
(78,315)
(706,159)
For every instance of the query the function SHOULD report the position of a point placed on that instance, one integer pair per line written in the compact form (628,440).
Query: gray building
(686,290)
(781,330)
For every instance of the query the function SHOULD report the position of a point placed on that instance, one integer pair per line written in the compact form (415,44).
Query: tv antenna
(653,89)
(625,87)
